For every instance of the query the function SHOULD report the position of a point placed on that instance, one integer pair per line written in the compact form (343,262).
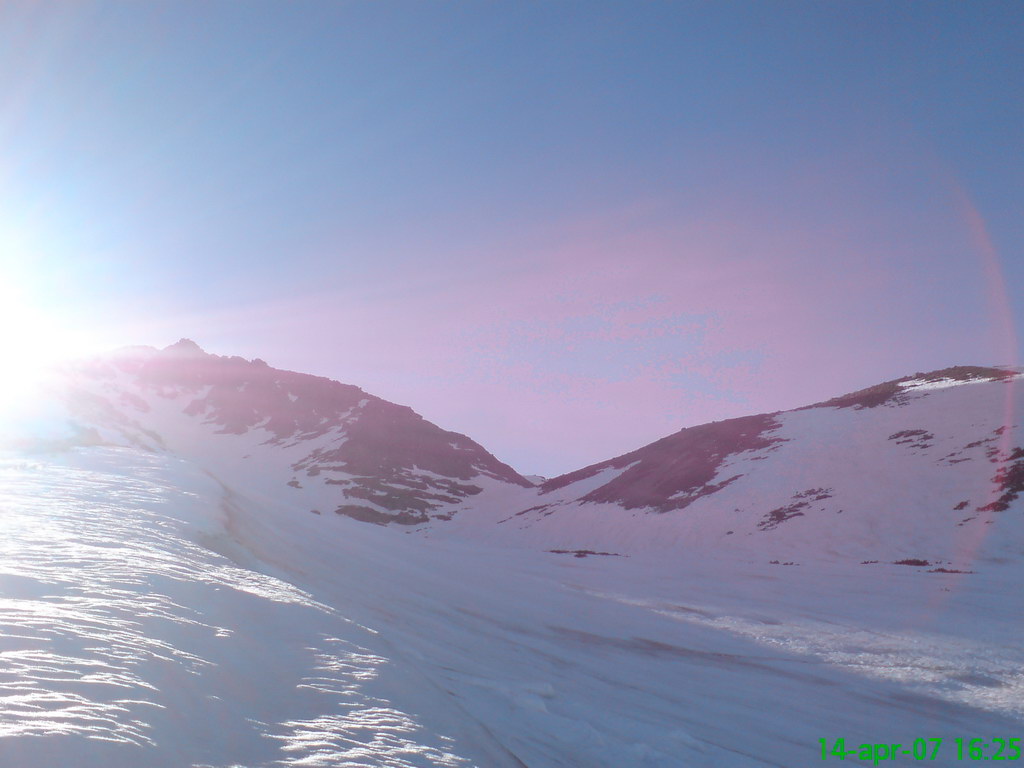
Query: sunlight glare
(32,341)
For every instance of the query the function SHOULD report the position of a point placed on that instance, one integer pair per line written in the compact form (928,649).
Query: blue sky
(564,229)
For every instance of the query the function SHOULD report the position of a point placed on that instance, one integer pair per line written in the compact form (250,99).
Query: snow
(137,630)
(944,383)
(885,499)
(167,600)
(152,615)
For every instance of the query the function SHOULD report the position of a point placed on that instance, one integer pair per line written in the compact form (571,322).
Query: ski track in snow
(984,675)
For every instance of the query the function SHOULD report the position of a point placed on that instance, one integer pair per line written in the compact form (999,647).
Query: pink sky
(564,230)
(621,332)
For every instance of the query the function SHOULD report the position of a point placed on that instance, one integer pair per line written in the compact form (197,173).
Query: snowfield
(136,631)
(188,579)
(153,616)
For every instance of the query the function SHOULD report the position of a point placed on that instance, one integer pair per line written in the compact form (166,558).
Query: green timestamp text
(923,749)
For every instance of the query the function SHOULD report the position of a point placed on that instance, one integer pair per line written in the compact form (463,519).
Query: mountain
(168,600)
(911,469)
(940,448)
(346,451)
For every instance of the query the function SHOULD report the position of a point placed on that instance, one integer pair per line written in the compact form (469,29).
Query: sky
(565,229)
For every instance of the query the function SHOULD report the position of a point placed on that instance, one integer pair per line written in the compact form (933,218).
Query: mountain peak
(184,348)
(373,460)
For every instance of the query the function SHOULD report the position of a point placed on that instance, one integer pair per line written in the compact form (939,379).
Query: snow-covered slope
(336,447)
(137,630)
(152,616)
(921,468)
(926,468)
(168,599)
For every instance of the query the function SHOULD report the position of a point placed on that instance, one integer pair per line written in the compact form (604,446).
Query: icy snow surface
(154,615)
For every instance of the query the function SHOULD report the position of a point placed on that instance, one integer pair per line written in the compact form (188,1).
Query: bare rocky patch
(386,454)
(913,438)
(542,510)
(894,394)
(801,501)
(672,473)
(584,553)
(780,515)
(1009,483)
(989,444)
(369,515)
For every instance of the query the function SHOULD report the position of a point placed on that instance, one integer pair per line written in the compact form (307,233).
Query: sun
(33,340)
(39,328)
